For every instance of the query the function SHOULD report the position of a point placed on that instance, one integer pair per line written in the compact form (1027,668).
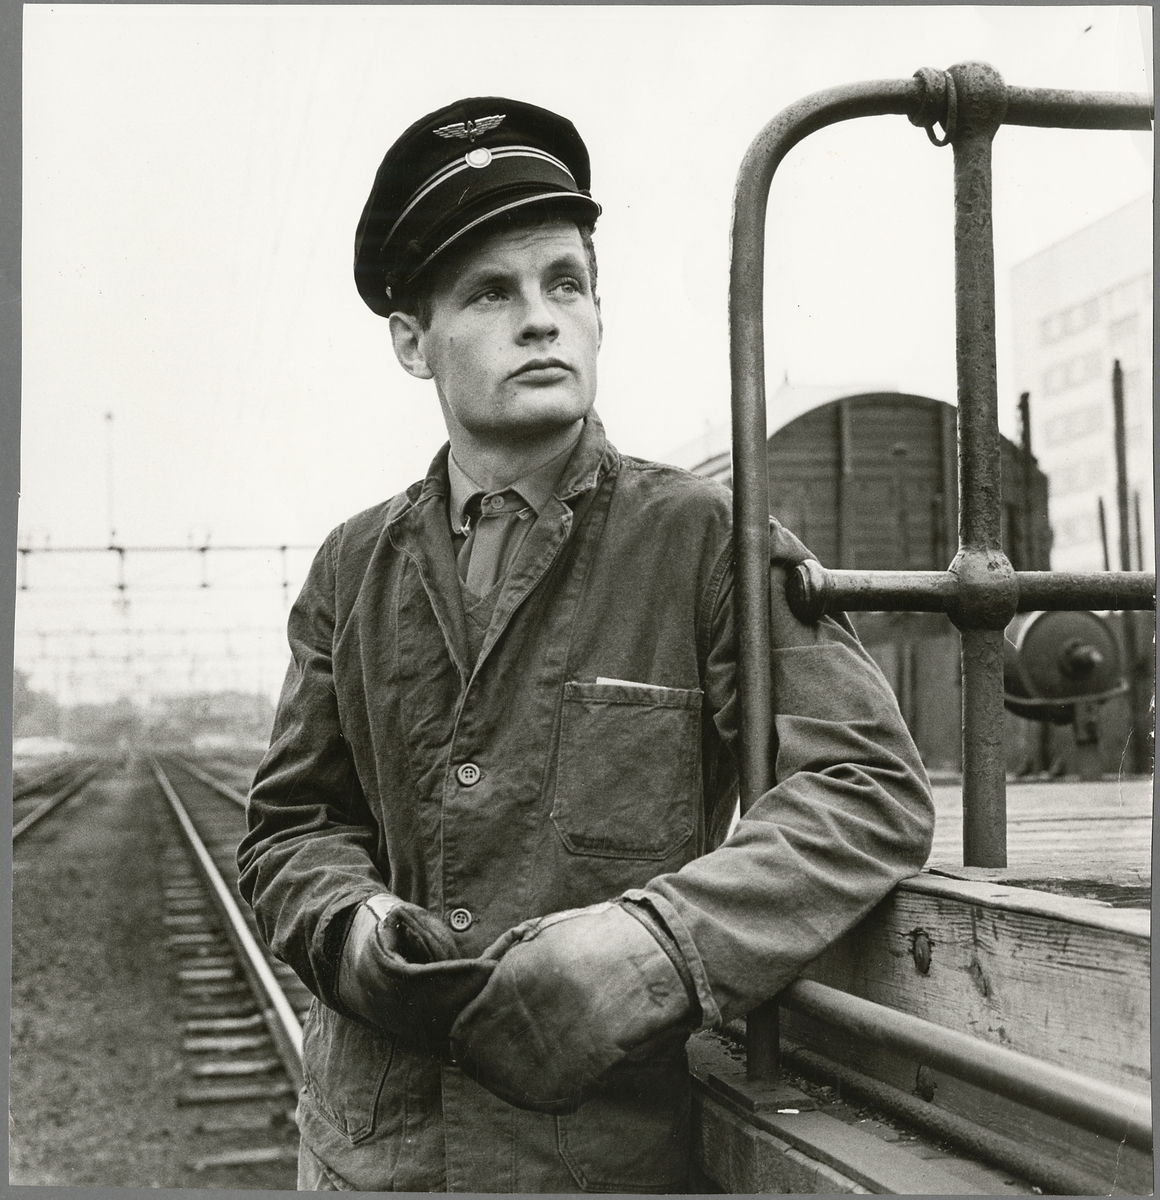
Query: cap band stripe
(459,165)
(495,213)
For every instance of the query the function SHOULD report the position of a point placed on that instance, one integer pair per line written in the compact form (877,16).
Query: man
(488,834)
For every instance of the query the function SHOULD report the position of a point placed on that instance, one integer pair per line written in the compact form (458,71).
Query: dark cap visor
(575,206)
(474,161)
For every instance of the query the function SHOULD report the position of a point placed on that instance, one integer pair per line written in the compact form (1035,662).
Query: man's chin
(535,422)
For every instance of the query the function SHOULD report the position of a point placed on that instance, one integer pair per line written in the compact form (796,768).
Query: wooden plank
(743,1160)
(1099,830)
(1135,923)
(1060,978)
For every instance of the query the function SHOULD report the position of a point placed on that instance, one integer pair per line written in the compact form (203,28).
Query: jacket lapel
(423,534)
(590,460)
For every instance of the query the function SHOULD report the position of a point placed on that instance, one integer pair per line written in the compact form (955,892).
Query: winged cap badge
(469,129)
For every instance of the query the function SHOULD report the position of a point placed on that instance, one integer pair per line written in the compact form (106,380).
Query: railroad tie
(228,1043)
(246,1157)
(233,1093)
(235,1067)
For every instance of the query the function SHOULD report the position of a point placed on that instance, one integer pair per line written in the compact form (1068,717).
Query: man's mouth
(542,370)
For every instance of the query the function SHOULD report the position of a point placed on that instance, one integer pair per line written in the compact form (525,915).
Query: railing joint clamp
(937,105)
(988,591)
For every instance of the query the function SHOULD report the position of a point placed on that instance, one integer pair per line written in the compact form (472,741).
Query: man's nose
(537,319)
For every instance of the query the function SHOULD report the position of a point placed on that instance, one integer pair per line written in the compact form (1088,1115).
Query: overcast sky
(193,176)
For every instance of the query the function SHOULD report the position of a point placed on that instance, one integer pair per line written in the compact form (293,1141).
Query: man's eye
(490,296)
(570,287)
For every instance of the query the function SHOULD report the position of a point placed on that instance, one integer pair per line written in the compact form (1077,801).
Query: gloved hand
(400,972)
(574,994)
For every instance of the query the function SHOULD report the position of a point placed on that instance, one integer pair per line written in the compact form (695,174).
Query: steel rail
(40,779)
(1092,1104)
(814,591)
(222,789)
(281,1020)
(42,810)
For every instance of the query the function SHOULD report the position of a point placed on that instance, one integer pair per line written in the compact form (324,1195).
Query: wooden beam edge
(1075,909)
(855,1155)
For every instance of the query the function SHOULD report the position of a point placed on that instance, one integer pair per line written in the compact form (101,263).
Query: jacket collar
(421,531)
(591,457)
(535,488)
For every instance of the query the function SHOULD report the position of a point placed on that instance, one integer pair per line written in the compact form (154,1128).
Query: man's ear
(599,323)
(407,338)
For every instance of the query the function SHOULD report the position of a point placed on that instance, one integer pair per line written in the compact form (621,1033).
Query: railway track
(39,794)
(242,1010)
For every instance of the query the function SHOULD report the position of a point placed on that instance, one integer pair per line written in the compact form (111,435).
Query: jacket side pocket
(634,1135)
(628,777)
(344,1066)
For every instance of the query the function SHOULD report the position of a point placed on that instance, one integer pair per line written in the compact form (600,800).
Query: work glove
(573,995)
(401,973)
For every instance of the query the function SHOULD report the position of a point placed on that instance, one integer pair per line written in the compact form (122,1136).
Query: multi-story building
(1078,306)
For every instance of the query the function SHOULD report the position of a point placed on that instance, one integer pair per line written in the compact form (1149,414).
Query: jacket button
(460,920)
(469,774)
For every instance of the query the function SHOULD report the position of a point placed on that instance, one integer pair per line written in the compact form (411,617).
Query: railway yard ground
(114,962)
(97,1058)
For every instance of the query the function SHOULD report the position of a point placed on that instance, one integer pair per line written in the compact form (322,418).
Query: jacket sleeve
(306,861)
(849,815)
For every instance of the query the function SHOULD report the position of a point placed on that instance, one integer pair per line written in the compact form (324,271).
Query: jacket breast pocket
(344,1067)
(628,773)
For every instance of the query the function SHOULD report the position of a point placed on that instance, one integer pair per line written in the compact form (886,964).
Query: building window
(1073,372)
(1077,476)
(1127,297)
(1068,426)
(1070,320)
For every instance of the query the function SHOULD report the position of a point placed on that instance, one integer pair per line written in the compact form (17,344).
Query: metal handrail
(813,591)
(1089,1103)
(970,101)
(281,1020)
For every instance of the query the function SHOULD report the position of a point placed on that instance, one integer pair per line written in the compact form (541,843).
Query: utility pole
(1136,682)
(1103,531)
(1027,546)
(109,476)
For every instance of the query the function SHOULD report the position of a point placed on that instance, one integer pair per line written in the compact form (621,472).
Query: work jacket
(587,753)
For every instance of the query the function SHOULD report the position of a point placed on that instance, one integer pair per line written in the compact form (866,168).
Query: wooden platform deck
(1061,833)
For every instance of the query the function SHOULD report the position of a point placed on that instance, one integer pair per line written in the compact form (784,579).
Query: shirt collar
(536,487)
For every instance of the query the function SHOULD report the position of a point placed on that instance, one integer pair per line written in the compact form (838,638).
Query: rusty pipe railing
(750,476)
(814,591)
(970,101)
(1093,1104)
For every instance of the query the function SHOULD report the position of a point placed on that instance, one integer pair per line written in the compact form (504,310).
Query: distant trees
(198,718)
(34,714)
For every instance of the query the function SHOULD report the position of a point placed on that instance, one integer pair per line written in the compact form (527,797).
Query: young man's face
(514,333)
